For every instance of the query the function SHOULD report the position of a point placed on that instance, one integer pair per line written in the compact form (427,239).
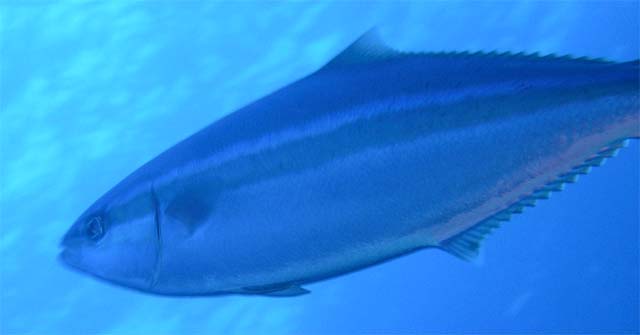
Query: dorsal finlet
(369,47)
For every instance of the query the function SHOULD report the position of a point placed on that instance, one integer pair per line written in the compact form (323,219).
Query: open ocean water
(92,90)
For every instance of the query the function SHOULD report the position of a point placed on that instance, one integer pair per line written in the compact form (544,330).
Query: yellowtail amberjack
(377,154)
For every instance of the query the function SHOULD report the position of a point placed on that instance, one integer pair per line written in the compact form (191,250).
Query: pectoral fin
(277,290)
(193,203)
(292,291)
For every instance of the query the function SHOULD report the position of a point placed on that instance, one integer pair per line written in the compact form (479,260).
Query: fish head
(117,240)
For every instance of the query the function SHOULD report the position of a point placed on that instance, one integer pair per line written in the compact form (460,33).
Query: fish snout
(69,257)
(72,238)
(71,245)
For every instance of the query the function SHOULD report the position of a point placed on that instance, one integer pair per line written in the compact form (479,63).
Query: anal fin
(466,244)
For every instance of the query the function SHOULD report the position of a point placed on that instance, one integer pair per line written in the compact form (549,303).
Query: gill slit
(156,219)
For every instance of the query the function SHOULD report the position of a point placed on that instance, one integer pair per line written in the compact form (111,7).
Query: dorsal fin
(369,47)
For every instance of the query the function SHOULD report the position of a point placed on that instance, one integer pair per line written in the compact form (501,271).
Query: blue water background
(90,91)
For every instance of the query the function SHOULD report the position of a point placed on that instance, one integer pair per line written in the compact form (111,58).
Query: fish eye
(95,228)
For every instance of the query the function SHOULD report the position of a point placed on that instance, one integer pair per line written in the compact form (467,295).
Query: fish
(378,154)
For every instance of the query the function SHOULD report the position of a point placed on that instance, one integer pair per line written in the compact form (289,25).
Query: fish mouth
(72,238)
(70,259)
(70,255)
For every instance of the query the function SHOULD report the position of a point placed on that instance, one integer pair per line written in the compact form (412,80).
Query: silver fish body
(376,155)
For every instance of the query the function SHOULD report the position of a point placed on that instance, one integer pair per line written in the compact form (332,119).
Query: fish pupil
(95,229)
